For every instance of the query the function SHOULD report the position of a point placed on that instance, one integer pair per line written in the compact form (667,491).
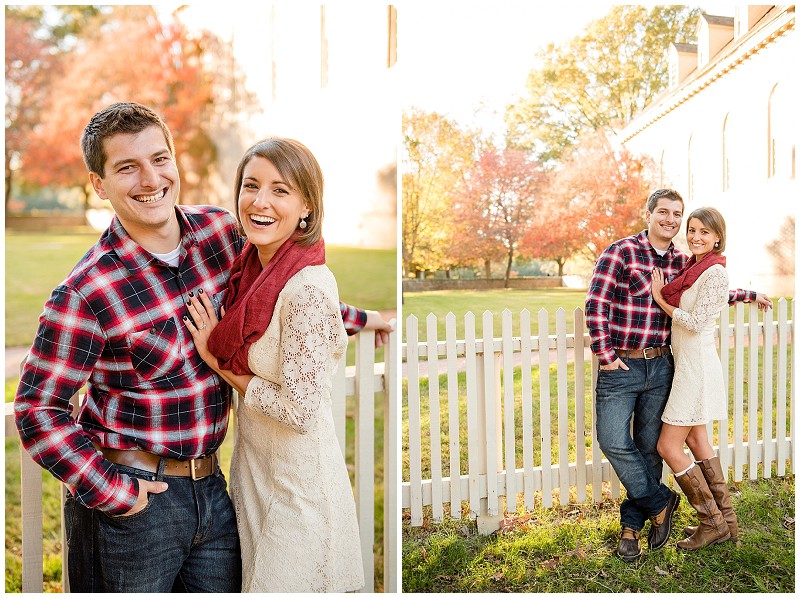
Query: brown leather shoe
(661,524)
(712,472)
(628,549)
(712,528)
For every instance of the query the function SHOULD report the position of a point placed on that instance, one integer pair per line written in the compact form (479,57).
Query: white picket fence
(492,431)
(361,382)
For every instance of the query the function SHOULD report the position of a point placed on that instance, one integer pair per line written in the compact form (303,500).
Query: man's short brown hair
(122,117)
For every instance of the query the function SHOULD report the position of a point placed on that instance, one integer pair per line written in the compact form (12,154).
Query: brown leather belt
(197,469)
(648,353)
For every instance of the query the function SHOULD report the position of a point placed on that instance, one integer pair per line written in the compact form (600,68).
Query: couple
(640,283)
(140,319)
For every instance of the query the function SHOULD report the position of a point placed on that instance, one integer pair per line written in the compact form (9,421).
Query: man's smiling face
(141,181)
(664,222)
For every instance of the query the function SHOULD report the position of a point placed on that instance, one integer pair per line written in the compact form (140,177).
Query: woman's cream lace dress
(698,390)
(289,483)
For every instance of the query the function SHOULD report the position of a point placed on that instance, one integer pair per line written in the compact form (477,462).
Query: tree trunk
(9,180)
(508,268)
(487,268)
(561,261)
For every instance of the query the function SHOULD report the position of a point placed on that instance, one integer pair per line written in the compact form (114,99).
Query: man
(148,508)
(630,336)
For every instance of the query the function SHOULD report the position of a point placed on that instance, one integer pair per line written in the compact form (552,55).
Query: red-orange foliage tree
(497,206)
(128,56)
(596,197)
(30,61)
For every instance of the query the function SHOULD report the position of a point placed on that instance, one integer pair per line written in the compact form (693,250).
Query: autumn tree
(497,204)
(602,78)
(436,153)
(596,196)
(127,55)
(30,61)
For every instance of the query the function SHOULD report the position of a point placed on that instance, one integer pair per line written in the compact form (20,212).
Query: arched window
(689,173)
(726,153)
(781,145)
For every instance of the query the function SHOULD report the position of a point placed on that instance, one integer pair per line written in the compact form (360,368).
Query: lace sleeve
(711,296)
(309,326)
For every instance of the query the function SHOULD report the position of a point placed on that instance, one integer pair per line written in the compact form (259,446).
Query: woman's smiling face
(269,208)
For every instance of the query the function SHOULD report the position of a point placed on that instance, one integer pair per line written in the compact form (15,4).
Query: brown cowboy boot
(712,528)
(712,472)
(628,549)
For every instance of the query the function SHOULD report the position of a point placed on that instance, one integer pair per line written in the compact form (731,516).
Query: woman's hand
(658,283)
(205,320)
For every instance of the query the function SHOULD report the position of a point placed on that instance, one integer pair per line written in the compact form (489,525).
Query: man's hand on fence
(764,302)
(381,327)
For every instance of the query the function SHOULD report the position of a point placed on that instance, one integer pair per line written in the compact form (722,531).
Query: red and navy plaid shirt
(620,310)
(116,322)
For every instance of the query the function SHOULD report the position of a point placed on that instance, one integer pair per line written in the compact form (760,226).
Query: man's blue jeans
(185,539)
(639,393)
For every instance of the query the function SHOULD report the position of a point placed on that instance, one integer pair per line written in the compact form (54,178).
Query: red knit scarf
(252,294)
(673,290)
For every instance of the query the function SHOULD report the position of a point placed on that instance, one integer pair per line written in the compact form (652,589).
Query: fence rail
(362,382)
(504,450)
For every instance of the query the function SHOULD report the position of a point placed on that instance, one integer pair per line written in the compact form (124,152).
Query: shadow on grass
(570,549)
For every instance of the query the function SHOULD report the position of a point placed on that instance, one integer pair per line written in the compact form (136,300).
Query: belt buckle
(193,467)
(644,352)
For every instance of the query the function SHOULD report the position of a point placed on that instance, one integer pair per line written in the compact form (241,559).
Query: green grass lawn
(569,549)
(440,303)
(37,262)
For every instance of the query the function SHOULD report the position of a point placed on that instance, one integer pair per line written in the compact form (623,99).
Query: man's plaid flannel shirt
(116,322)
(620,310)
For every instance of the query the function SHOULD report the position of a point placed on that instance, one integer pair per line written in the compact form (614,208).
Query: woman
(693,300)
(278,343)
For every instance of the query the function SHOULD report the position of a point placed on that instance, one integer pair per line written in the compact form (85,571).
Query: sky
(468,60)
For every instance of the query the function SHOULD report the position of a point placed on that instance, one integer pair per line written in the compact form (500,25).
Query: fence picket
(508,412)
(434,415)
(544,409)
(364,421)
(527,407)
(724,358)
(738,392)
(783,364)
(472,414)
(792,373)
(490,396)
(766,378)
(391,462)
(752,395)
(580,407)
(597,464)
(563,406)
(414,421)
(452,403)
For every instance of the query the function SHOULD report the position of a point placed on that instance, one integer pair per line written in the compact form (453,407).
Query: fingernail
(188,304)
(185,318)
(191,294)
(200,291)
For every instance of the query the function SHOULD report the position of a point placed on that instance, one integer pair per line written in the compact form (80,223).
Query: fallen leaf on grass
(660,571)
(550,564)
(788,522)
(497,576)
(603,574)
(424,554)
